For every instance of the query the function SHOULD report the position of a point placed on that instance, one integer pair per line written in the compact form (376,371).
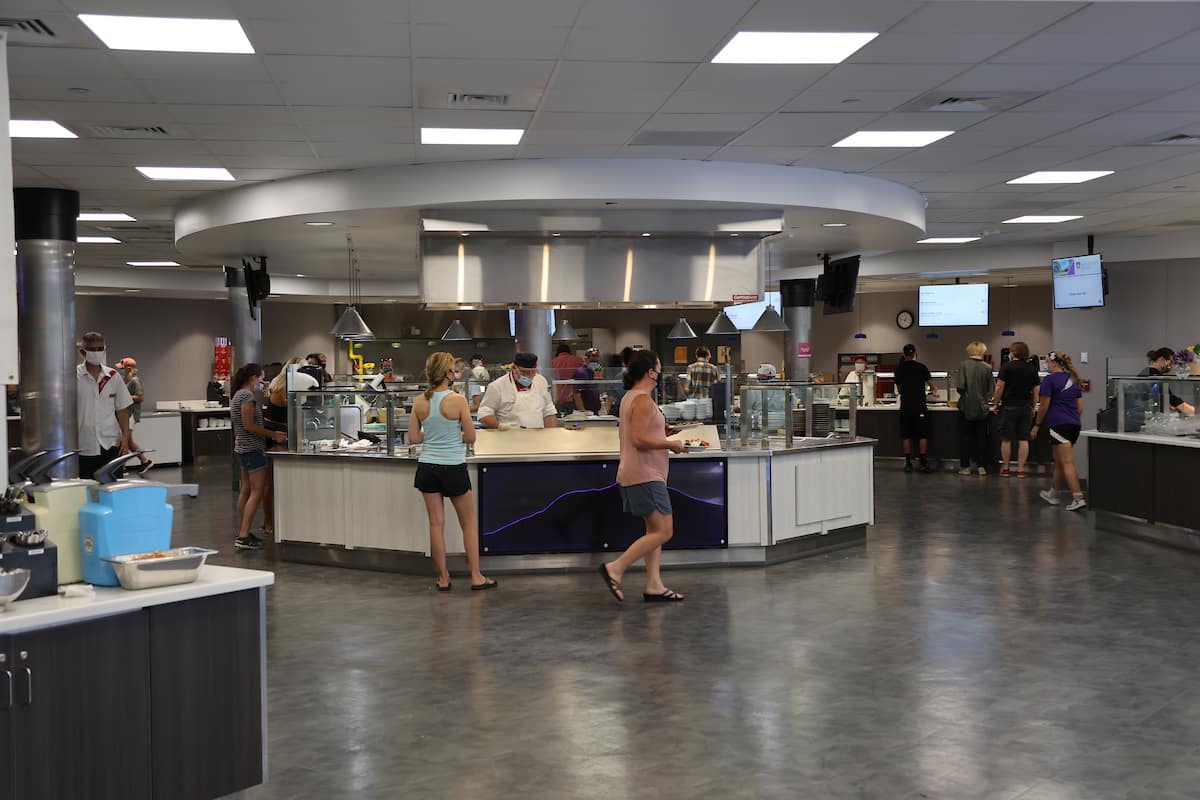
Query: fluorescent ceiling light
(153,263)
(790,47)
(185,173)
(318,224)
(431,224)
(892,138)
(1062,176)
(97,240)
(38,129)
(948,240)
(645,234)
(104,216)
(1040,220)
(169,34)
(471,135)
(834,224)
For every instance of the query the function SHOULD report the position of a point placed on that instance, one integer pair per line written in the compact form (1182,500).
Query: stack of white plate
(688,410)
(705,409)
(671,412)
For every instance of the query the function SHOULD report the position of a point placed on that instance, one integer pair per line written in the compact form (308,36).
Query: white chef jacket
(514,408)
(97,404)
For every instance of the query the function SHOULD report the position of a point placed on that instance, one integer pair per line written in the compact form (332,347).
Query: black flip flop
(612,585)
(668,596)
(483,587)
(441,588)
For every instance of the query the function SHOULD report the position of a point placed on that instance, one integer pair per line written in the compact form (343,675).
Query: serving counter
(882,423)
(547,500)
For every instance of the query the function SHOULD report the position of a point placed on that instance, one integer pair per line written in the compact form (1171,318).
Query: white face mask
(860,367)
(95,357)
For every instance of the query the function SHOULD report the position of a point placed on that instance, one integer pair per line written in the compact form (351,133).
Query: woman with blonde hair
(1060,410)
(128,368)
(975,386)
(441,423)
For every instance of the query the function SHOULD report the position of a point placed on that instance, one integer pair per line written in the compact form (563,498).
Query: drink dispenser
(122,518)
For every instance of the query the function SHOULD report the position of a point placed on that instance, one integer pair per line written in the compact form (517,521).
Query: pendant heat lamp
(564,332)
(682,330)
(457,332)
(770,322)
(1009,332)
(351,326)
(861,333)
(722,326)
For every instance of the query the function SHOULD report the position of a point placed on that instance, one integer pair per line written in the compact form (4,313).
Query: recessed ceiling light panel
(948,240)
(38,129)
(97,240)
(186,173)
(1034,219)
(790,47)
(318,224)
(1062,176)
(483,136)
(893,138)
(153,263)
(834,224)
(104,216)
(169,34)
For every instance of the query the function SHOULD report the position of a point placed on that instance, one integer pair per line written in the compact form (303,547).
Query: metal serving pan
(180,565)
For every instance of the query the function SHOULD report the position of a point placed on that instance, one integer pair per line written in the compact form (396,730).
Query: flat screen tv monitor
(839,285)
(1078,282)
(954,305)
(744,315)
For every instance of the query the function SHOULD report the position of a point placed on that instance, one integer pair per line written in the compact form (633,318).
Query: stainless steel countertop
(777,449)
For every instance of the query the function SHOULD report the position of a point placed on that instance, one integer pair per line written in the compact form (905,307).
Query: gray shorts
(643,499)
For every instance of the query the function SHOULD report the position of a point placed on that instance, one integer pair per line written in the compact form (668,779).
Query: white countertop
(1147,438)
(896,407)
(45,612)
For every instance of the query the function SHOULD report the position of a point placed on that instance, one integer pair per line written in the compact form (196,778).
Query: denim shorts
(253,461)
(643,499)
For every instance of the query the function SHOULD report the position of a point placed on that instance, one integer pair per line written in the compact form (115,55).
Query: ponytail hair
(1063,360)
(640,363)
(437,367)
(245,373)
(1162,352)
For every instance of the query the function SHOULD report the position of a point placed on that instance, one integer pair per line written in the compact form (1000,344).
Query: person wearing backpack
(975,387)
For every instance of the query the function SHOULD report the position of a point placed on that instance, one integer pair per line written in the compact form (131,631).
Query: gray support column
(533,334)
(797,301)
(247,331)
(46,337)
(8,268)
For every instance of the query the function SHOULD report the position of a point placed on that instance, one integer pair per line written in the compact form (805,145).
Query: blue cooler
(119,519)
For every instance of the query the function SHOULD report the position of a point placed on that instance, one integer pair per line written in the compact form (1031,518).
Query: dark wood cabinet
(7,701)
(211,649)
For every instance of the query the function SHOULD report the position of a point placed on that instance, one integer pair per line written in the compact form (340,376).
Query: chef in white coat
(520,399)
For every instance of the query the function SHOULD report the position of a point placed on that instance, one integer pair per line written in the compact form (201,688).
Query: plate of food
(696,444)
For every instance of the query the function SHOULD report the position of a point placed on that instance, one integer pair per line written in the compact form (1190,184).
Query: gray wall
(1031,318)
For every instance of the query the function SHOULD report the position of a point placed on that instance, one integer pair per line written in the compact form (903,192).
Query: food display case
(790,409)
(1137,404)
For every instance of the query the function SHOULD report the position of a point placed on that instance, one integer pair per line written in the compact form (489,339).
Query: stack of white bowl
(672,412)
(688,409)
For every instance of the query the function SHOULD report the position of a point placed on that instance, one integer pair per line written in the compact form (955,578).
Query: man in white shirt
(102,408)
(520,399)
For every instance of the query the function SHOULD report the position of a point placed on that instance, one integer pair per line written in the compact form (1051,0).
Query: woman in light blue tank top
(441,423)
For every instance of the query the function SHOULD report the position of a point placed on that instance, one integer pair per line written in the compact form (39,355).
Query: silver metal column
(45,229)
(533,334)
(797,301)
(247,331)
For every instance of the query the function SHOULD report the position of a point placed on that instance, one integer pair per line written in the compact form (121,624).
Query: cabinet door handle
(6,681)
(28,687)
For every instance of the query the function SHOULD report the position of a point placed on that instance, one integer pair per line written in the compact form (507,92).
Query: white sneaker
(1078,504)
(965,471)
(983,470)
(1050,496)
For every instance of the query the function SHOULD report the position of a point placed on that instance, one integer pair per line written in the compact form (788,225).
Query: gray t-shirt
(243,440)
(134,385)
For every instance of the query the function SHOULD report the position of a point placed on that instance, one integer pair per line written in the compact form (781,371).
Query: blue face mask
(594,366)
(522,380)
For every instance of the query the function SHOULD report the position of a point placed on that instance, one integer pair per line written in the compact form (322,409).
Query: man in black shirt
(911,379)
(1016,387)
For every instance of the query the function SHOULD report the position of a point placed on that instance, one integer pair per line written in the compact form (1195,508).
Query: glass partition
(364,420)
(1164,405)
(772,409)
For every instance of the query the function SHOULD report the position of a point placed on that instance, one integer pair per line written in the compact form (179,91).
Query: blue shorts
(253,461)
(643,499)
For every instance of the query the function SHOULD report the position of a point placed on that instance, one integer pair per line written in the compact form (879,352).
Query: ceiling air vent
(1179,138)
(974,103)
(474,100)
(131,131)
(27,30)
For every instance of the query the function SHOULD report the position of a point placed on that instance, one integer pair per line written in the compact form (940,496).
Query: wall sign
(803,349)
(746,298)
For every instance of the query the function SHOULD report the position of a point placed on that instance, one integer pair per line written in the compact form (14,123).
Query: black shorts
(1015,422)
(448,480)
(1064,434)
(914,424)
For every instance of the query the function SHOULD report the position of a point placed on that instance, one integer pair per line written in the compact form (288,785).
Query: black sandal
(441,588)
(668,596)
(483,587)
(612,585)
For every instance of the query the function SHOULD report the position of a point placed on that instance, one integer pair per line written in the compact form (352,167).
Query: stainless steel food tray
(182,565)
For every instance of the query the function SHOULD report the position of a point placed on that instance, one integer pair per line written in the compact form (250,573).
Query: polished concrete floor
(981,645)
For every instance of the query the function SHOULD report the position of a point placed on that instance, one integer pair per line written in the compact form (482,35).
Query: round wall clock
(905,320)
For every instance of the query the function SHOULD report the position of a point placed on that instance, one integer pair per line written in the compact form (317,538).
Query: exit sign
(746,298)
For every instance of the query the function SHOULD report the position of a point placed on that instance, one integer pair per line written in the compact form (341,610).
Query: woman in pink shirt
(642,477)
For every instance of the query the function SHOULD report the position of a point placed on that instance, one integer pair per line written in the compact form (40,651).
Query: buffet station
(547,499)
(136,663)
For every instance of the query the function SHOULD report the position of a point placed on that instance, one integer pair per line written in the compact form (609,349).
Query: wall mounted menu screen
(1078,282)
(953,305)
(575,507)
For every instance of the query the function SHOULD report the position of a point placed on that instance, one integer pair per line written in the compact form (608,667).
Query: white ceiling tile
(487,12)
(1183,50)
(351,36)
(886,77)
(763,155)
(666,30)
(305,163)
(505,39)
(653,151)
(1123,129)
(929,121)
(1082,48)
(334,13)
(464,118)
(703,122)
(69,64)
(619,123)
(100,90)
(1186,100)
(845,160)
(963,182)
(193,66)
(859,101)
(941,159)
(933,48)
(176,8)
(152,148)
(225,114)
(607,86)
(251,93)
(392,89)
(1018,128)
(1118,158)
(332,124)
(955,17)
(243,174)
(567,150)
(522,81)
(1130,17)
(24,175)
(844,15)
(803,130)
(106,113)
(1101,102)
(259,148)
(100,177)
(234,130)
(430,153)
(1018,77)
(742,88)
(1024,160)
(584,138)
